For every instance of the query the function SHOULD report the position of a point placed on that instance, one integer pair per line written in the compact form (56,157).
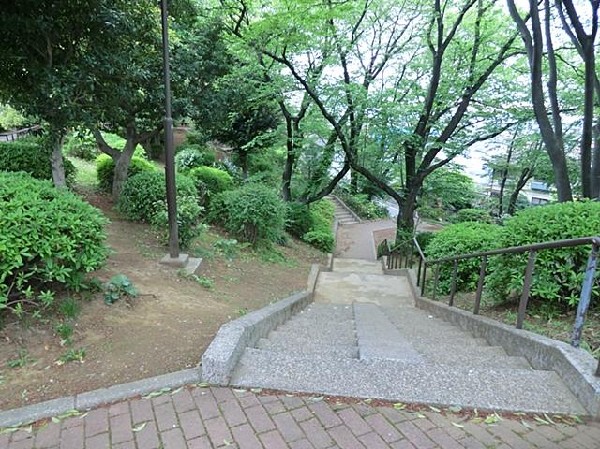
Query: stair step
(295,338)
(508,389)
(334,350)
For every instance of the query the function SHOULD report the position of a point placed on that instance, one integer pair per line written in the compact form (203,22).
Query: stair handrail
(586,287)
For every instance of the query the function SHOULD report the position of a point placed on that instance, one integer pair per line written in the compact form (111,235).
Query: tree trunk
(57,161)
(596,161)
(526,175)
(122,162)
(405,222)
(290,160)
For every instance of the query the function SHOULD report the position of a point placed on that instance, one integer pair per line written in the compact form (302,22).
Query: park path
(198,416)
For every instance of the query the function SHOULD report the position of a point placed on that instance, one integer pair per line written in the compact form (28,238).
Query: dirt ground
(166,328)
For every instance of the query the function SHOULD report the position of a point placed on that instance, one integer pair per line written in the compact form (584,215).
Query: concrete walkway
(198,418)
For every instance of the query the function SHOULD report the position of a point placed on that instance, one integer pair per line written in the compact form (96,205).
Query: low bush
(313,224)
(253,213)
(31,155)
(424,239)
(49,238)
(188,219)
(558,274)
(298,220)
(144,194)
(210,181)
(190,156)
(470,215)
(458,239)
(105,170)
(81,145)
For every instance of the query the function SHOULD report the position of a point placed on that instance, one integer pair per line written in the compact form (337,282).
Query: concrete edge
(102,396)
(219,360)
(575,366)
(313,276)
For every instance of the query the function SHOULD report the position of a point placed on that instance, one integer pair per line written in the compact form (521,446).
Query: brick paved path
(196,418)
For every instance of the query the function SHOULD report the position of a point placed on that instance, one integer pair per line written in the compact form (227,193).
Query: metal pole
(169,152)
(586,295)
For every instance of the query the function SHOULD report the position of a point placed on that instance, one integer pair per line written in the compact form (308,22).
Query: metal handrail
(586,288)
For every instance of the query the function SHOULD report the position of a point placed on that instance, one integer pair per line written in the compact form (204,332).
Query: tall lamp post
(169,151)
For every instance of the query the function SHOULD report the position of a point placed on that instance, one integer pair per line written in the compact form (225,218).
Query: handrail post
(526,289)
(480,283)
(436,278)
(585,297)
(419,272)
(424,279)
(453,288)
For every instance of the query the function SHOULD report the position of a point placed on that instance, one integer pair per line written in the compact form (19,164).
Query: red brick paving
(208,418)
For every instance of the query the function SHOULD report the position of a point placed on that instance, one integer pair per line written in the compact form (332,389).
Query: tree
(44,44)
(449,188)
(584,44)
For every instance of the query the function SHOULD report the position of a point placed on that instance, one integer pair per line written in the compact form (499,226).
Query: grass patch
(86,172)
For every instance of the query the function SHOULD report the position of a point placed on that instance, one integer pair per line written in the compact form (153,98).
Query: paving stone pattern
(198,418)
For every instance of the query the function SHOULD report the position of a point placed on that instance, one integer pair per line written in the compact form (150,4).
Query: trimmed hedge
(558,274)
(190,156)
(253,213)
(49,238)
(471,215)
(105,170)
(31,155)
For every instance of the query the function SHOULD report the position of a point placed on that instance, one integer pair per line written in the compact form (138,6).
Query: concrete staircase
(363,337)
(343,215)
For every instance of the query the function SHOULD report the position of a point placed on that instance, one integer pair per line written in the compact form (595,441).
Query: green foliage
(31,155)
(424,239)
(458,239)
(313,223)
(23,358)
(558,274)
(118,287)
(210,181)
(144,194)
(72,355)
(105,169)
(49,238)
(253,213)
(81,145)
(448,188)
(191,156)
(362,206)
(467,215)
(11,118)
(188,219)
(229,248)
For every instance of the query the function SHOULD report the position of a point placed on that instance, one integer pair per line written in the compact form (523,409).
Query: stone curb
(85,401)
(575,366)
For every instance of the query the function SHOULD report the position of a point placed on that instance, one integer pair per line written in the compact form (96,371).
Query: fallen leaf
(541,421)
(434,409)
(525,424)
(139,427)
(399,406)
(460,426)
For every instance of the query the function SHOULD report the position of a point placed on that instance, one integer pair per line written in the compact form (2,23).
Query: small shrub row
(49,238)
(190,156)
(471,215)
(312,223)
(31,155)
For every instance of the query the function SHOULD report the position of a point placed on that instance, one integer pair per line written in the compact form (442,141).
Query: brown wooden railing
(586,288)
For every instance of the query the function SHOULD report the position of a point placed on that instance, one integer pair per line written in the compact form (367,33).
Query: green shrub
(320,234)
(143,195)
(298,219)
(458,239)
(81,145)
(253,213)
(362,206)
(467,215)
(424,239)
(31,155)
(188,219)
(105,169)
(49,238)
(191,156)
(210,181)
(320,239)
(558,274)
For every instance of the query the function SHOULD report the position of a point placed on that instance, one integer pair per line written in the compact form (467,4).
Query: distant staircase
(363,337)
(343,214)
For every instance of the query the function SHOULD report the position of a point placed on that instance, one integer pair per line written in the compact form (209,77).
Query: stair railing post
(424,279)
(586,295)
(526,289)
(436,278)
(453,288)
(482,269)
